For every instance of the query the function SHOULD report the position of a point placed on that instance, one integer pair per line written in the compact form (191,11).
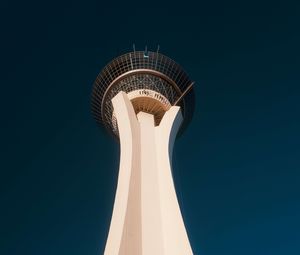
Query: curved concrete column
(146,217)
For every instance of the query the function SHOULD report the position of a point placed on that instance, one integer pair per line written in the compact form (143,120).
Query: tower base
(146,216)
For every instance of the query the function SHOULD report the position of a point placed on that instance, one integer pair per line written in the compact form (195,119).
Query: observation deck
(153,83)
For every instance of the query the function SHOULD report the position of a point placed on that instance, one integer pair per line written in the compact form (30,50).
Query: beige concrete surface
(146,217)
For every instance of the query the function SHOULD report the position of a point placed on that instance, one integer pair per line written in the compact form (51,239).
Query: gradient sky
(237,165)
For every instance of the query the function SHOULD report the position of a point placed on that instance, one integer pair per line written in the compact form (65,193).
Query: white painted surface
(146,217)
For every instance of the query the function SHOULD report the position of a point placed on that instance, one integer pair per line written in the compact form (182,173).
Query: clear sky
(236,167)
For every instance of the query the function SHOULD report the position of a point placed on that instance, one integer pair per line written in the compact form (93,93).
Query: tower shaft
(146,216)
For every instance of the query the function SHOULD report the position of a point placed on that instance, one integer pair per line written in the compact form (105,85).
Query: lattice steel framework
(140,70)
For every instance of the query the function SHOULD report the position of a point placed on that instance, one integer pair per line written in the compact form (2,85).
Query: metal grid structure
(140,70)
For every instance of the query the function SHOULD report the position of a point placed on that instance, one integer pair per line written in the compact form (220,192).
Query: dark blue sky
(236,167)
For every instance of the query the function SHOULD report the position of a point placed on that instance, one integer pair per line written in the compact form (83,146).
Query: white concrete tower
(139,97)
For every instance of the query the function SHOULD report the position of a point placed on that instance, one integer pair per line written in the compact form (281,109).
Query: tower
(145,100)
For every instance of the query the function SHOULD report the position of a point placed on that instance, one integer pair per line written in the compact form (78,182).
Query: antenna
(156,56)
(133,47)
(146,52)
(158,47)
